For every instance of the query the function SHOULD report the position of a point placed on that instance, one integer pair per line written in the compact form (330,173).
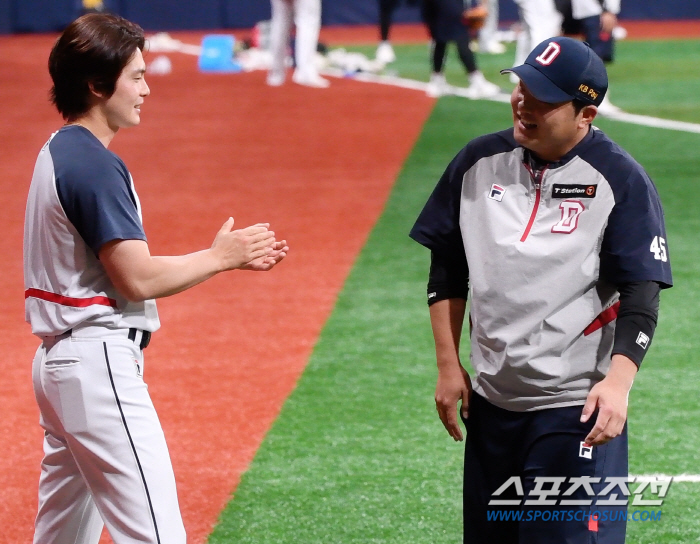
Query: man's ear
(588,113)
(95,92)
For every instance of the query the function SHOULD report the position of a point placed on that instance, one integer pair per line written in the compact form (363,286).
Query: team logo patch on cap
(550,53)
(568,191)
(496,193)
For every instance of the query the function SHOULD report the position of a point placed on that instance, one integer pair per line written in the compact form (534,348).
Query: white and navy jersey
(81,197)
(545,251)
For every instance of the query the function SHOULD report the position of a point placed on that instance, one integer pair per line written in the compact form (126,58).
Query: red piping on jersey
(606,316)
(538,196)
(70,301)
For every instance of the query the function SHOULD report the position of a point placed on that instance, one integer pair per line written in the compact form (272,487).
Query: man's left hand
(609,397)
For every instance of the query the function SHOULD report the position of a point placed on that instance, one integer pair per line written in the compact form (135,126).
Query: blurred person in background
(385,53)
(488,42)
(445,24)
(539,20)
(306,16)
(595,21)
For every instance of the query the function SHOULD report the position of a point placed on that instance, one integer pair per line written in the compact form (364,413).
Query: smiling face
(549,130)
(123,108)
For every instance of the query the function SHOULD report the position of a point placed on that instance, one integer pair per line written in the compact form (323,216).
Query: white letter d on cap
(549,54)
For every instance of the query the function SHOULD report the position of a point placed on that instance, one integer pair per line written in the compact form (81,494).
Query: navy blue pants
(527,455)
(602,43)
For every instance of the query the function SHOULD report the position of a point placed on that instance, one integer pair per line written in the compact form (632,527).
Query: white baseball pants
(306,15)
(581,9)
(540,20)
(487,34)
(105,457)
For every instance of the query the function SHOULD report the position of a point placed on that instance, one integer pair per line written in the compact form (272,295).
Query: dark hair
(579,105)
(92,50)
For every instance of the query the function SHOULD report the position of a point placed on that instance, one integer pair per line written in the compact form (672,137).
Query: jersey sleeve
(437,226)
(98,200)
(448,278)
(635,246)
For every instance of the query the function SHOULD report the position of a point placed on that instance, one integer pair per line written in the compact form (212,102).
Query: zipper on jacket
(537,180)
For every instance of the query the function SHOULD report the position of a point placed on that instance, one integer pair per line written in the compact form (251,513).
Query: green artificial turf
(658,78)
(358,454)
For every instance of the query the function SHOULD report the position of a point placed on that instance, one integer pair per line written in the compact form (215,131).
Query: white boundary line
(165,44)
(394,81)
(162,42)
(404,83)
(655,122)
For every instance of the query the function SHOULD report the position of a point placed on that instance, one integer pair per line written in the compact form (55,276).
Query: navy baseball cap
(563,69)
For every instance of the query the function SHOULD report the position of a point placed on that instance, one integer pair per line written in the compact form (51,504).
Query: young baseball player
(90,282)
(558,237)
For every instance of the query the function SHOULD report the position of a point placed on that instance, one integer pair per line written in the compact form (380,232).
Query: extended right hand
(453,385)
(237,248)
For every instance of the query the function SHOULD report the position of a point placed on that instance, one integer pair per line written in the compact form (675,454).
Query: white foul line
(162,42)
(503,97)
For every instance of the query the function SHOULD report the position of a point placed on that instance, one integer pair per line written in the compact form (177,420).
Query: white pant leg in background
(280,28)
(105,451)
(540,20)
(487,34)
(307,18)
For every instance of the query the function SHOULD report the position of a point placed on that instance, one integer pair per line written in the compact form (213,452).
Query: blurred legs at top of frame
(488,40)
(385,53)
(539,20)
(306,16)
(480,87)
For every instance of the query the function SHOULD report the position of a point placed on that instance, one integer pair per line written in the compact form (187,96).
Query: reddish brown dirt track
(316,164)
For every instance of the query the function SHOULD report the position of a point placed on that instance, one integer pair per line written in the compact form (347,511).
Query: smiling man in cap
(557,236)
(559,75)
